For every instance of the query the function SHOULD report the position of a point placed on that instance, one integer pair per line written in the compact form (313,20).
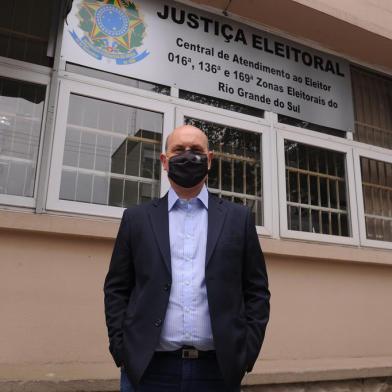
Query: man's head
(183,139)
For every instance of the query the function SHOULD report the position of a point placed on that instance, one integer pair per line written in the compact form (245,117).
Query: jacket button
(166,287)
(158,322)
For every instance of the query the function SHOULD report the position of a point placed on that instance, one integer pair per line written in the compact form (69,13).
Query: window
(24,30)
(377,198)
(111,153)
(236,171)
(315,189)
(373,107)
(106,150)
(21,115)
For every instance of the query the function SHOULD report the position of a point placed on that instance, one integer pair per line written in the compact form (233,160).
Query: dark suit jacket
(137,287)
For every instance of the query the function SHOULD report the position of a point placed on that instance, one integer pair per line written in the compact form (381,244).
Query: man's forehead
(187,134)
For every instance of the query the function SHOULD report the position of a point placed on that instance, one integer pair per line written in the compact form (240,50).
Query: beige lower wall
(52,319)
(328,310)
(51,298)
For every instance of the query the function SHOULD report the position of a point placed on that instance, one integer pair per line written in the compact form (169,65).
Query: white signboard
(172,44)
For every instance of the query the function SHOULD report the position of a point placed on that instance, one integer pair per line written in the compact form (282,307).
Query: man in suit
(186,295)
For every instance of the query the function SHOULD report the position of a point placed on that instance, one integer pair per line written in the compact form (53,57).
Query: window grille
(316,190)
(236,171)
(111,153)
(377,198)
(373,107)
(21,111)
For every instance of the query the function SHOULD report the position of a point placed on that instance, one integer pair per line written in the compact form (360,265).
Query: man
(186,295)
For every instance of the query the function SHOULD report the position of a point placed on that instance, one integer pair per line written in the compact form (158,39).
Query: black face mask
(188,168)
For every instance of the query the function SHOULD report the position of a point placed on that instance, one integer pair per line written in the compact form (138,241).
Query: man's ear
(210,157)
(164,161)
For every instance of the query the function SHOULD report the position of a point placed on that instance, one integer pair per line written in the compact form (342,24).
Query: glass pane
(116,192)
(147,192)
(25,30)
(236,171)
(131,193)
(117,156)
(292,193)
(377,198)
(113,151)
(102,154)
(213,175)
(372,95)
(125,81)
(293,213)
(226,175)
(221,103)
(314,193)
(304,189)
(344,224)
(315,216)
(325,222)
(84,185)
(100,189)
(68,185)
(324,192)
(132,150)
(316,189)
(239,183)
(295,122)
(333,200)
(21,110)
(305,219)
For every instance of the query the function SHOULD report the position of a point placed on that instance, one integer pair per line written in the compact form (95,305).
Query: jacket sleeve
(256,293)
(118,286)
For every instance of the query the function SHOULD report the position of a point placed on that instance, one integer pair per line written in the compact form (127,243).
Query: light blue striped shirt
(187,320)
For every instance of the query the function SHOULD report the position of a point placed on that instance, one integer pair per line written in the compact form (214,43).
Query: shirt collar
(173,197)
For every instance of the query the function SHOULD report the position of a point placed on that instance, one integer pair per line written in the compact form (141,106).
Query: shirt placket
(188,270)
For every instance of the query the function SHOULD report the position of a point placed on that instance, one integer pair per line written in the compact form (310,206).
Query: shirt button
(166,287)
(158,322)
(187,283)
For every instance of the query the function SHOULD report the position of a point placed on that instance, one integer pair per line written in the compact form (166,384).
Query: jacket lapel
(159,219)
(216,218)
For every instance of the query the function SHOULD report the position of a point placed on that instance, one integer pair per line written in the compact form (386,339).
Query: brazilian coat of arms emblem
(112,28)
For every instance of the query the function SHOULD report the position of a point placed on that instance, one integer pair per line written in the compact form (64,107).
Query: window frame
(66,88)
(330,143)
(32,73)
(371,153)
(260,126)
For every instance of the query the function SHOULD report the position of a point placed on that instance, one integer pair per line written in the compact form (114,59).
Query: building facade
(296,100)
